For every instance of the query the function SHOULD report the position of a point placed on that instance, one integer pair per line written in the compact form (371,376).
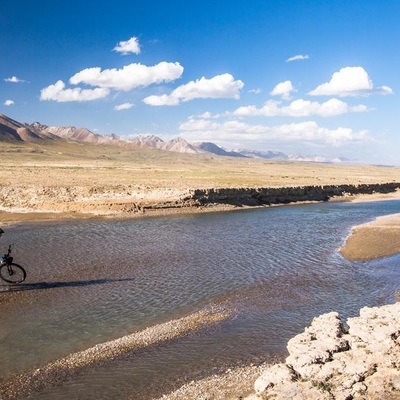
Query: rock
(276,374)
(328,362)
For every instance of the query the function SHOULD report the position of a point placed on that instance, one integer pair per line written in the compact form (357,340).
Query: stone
(327,361)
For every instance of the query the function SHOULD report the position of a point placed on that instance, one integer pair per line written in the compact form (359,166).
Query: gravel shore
(21,386)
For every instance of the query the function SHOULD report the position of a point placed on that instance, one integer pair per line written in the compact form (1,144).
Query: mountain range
(11,130)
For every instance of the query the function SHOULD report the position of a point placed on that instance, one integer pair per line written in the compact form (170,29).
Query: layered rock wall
(284,195)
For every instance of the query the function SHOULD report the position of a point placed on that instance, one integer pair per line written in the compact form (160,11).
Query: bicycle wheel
(12,273)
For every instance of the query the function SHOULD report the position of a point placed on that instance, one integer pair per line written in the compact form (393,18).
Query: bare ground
(75,180)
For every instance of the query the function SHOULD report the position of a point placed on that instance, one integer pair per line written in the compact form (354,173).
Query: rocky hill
(11,130)
(213,148)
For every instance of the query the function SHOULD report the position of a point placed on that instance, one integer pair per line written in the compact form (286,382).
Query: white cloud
(128,46)
(161,100)
(123,106)
(14,79)
(219,87)
(57,92)
(231,130)
(129,77)
(283,89)
(300,108)
(206,115)
(255,91)
(197,124)
(298,58)
(349,81)
(9,103)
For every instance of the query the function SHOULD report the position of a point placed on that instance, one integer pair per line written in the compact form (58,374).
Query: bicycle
(9,271)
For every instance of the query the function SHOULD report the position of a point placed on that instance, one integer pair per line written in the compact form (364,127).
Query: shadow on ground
(52,285)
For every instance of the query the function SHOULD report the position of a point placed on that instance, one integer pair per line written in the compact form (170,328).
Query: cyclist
(1,232)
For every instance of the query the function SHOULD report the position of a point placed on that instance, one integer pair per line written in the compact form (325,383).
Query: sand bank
(379,238)
(365,198)
(55,373)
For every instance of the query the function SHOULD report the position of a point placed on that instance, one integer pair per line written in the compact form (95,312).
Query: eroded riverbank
(27,203)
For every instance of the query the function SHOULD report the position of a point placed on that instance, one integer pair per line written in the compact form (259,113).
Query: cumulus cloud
(349,81)
(123,106)
(57,92)
(128,77)
(9,103)
(283,89)
(300,108)
(128,46)
(14,79)
(298,57)
(308,131)
(219,87)
(199,124)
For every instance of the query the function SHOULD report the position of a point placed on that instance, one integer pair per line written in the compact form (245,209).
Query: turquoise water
(96,280)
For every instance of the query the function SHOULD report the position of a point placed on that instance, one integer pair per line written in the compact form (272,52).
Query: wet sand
(379,238)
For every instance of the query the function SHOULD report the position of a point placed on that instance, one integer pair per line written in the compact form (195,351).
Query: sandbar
(56,372)
(375,239)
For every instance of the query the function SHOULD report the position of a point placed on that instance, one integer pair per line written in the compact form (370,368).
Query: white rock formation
(328,361)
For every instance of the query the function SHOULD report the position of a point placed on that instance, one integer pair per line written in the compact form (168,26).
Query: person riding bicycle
(1,232)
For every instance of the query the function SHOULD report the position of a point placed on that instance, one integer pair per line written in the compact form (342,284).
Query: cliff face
(285,195)
(126,200)
(329,361)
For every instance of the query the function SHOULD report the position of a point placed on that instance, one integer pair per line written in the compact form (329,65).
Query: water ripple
(94,281)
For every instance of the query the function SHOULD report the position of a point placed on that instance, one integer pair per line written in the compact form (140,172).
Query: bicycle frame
(7,259)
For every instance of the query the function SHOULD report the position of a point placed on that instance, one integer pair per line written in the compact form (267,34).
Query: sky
(303,77)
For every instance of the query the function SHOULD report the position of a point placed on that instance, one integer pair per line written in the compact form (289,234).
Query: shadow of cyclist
(53,285)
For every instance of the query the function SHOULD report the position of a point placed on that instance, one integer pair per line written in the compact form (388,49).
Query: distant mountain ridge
(11,130)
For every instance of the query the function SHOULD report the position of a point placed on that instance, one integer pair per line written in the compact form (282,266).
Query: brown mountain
(78,134)
(11,130)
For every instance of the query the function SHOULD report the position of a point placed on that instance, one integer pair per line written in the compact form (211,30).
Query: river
(91,281)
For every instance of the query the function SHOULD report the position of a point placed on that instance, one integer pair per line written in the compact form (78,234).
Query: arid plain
(72,179)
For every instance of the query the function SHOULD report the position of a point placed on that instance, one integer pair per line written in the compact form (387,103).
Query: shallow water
(92,281)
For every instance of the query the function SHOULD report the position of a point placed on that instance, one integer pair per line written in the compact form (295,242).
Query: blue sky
(309,77)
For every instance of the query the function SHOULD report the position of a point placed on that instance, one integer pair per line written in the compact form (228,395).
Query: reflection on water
(93,281)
